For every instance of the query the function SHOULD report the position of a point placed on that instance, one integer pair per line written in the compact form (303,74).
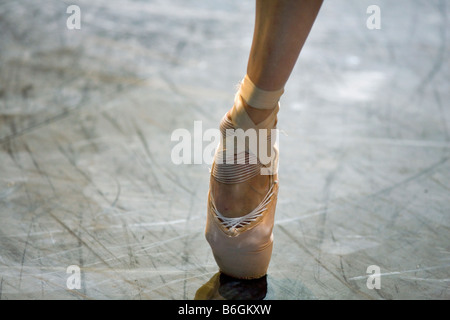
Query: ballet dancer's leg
(281,29)
(242,200)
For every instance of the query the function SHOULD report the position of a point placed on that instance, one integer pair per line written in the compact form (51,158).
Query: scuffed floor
(86,176)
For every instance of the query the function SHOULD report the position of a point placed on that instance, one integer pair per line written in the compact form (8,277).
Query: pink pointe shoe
(242,246)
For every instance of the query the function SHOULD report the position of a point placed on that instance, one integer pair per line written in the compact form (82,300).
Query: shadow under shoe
(224,287)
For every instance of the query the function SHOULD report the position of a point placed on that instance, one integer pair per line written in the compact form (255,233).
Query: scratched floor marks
(87,185)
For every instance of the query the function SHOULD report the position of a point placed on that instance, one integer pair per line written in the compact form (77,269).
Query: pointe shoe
(242,246)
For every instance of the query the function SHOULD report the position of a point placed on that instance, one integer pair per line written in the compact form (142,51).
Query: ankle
(256,115)
(258,104)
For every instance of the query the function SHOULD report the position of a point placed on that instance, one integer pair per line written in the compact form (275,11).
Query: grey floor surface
(87,178)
